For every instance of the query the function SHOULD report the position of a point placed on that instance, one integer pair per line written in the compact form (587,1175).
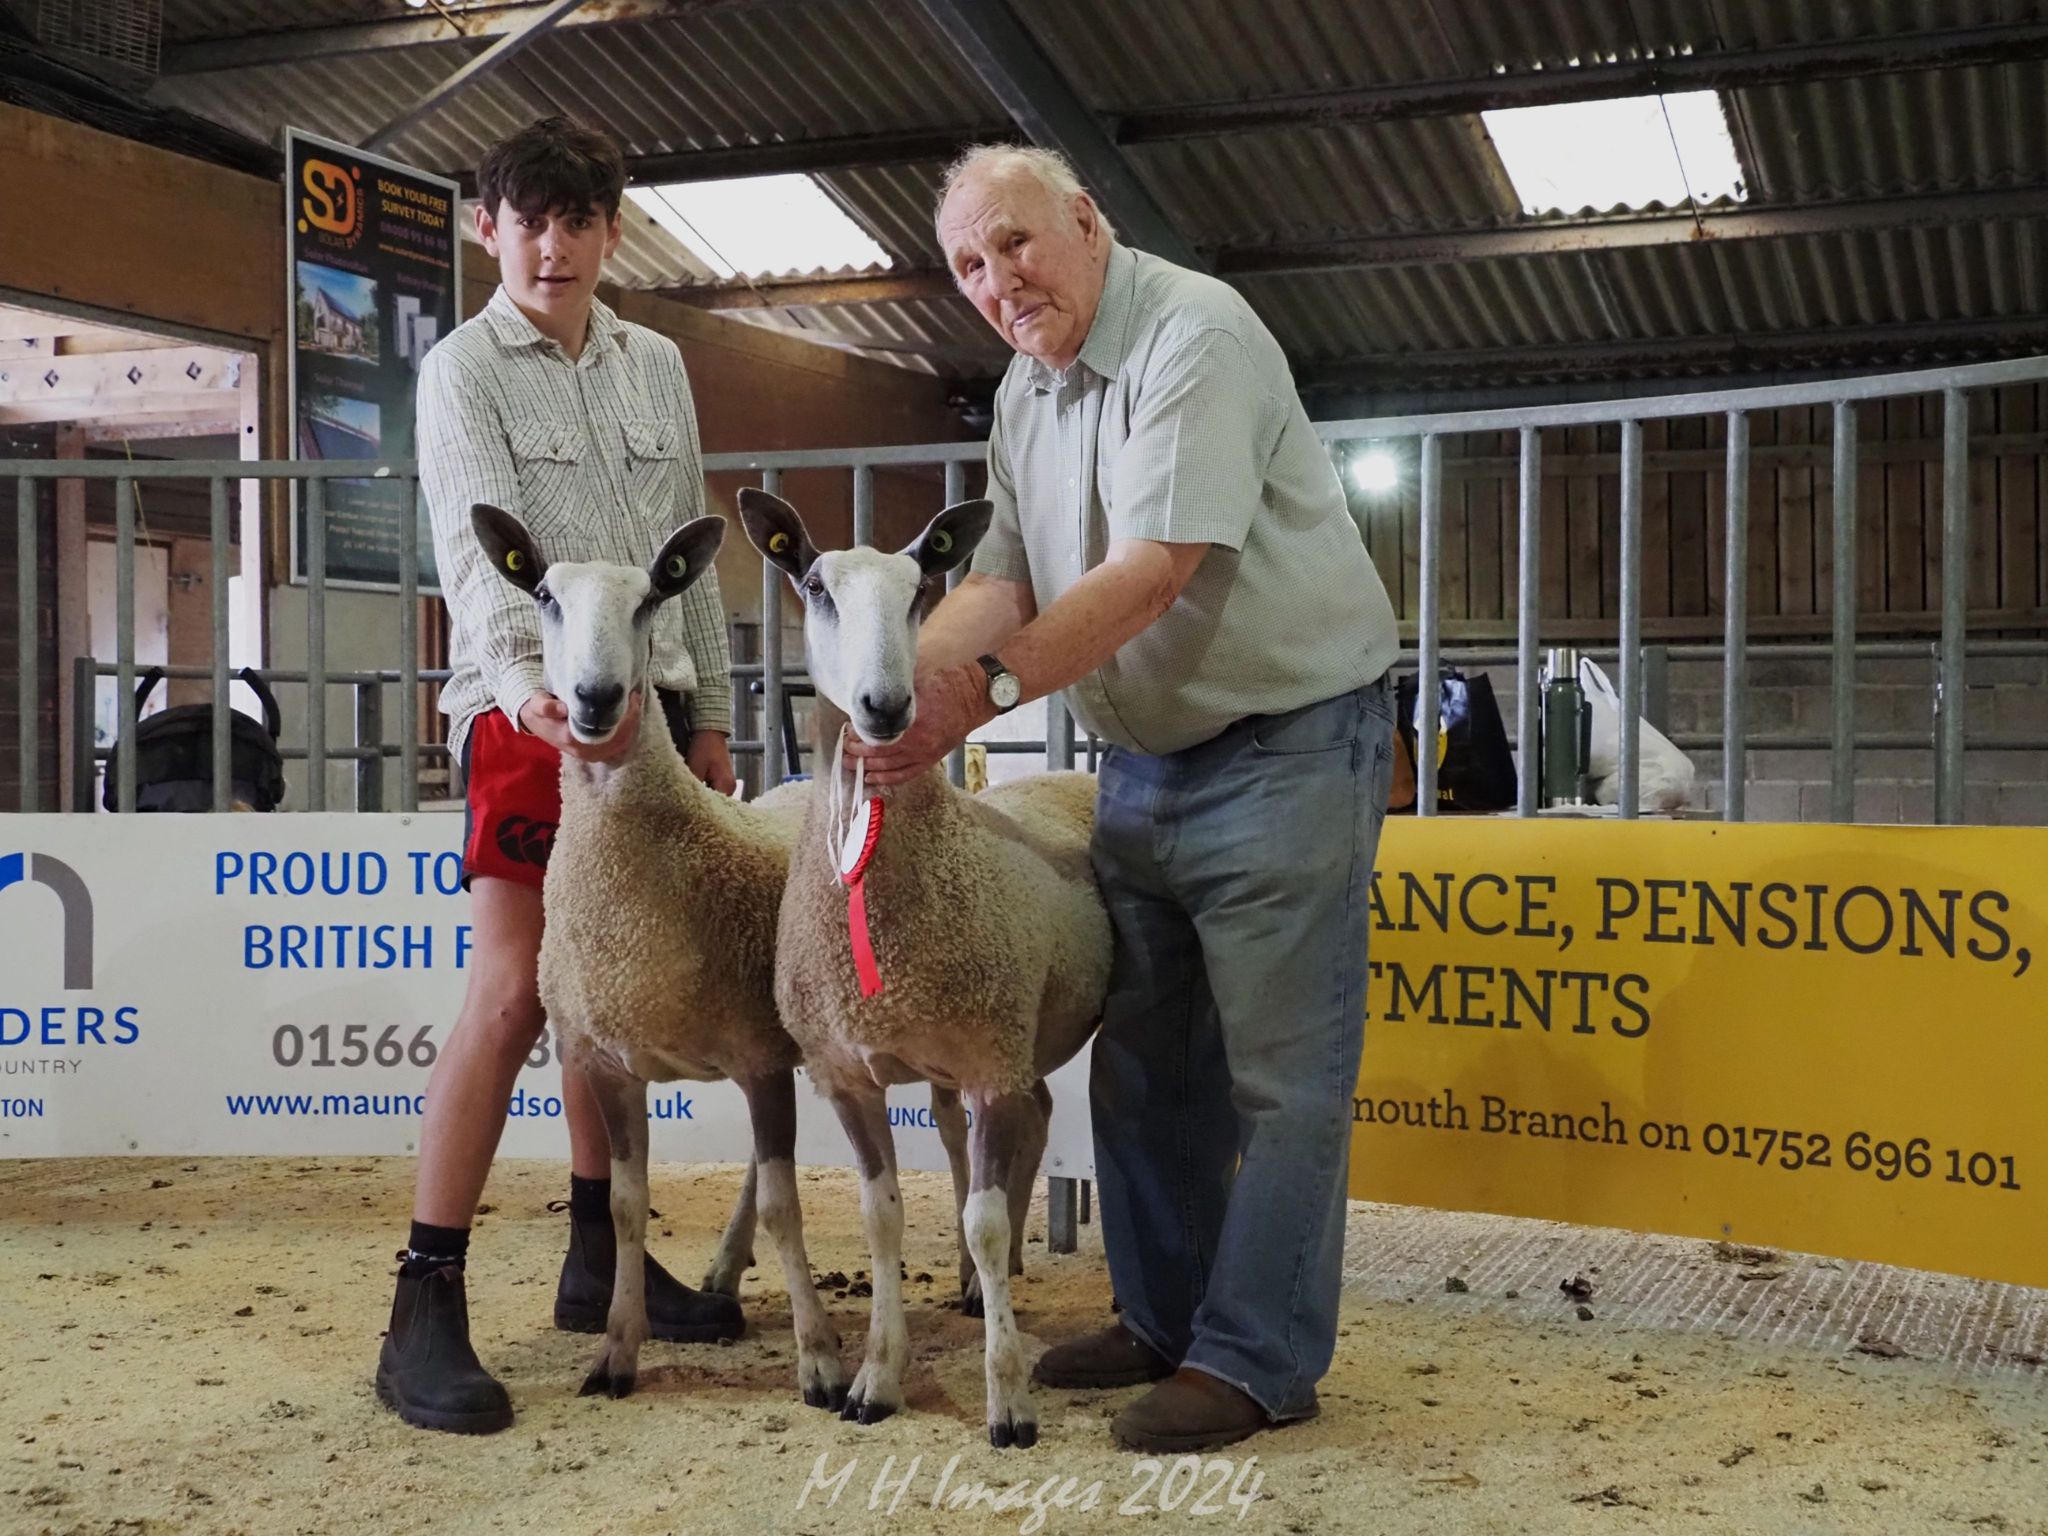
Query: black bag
(174,754)
(1475,770)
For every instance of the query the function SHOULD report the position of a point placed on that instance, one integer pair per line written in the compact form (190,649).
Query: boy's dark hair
(553,164)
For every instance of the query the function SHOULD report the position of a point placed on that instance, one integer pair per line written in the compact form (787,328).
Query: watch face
(1004,691)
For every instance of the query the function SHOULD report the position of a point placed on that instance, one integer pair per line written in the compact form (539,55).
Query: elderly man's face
(1031,266)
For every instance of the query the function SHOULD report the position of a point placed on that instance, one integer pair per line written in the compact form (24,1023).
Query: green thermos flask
(1567,731)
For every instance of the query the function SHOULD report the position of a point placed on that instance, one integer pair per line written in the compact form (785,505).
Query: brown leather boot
(1112,1357)
(1193,1411)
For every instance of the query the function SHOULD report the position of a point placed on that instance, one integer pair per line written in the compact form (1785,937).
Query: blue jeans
(1236,876)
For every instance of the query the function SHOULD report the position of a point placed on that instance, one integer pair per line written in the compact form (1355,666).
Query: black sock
(590,1199)
(431,1248)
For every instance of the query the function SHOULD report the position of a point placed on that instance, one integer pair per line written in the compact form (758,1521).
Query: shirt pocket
(548,458)
(653,454)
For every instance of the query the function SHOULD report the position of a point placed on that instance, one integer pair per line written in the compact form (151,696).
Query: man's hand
(951,702)
(710,759)
(547,717)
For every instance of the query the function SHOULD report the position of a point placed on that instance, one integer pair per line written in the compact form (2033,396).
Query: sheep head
(862,607)
(596,618)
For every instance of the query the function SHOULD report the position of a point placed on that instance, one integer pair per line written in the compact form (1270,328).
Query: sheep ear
(951,536)
(507,544)
(685,557)
(776,530)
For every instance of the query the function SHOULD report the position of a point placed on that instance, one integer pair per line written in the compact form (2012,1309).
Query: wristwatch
(1004,690)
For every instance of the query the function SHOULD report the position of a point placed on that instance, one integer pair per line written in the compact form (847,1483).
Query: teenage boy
(549,405)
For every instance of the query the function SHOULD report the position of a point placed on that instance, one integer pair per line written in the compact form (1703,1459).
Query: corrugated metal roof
(737,73)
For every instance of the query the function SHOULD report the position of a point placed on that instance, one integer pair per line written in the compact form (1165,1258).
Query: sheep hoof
(971,1304)
(1021,1433)
(604,1382)
(831,1397)
(865,1411)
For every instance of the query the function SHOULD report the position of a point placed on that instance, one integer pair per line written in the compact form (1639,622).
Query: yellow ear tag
(778,543)
(942,541)
(514,560)
(678,567)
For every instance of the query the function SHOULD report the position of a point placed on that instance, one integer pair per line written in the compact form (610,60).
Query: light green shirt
(1179,422)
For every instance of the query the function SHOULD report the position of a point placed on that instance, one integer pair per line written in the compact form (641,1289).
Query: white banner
(221,985)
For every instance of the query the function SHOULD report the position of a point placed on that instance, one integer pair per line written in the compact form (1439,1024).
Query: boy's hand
(547,717)
(709,758)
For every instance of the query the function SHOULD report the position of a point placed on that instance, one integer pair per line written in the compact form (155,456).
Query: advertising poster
(373,268)
(283,984)
(1827,1039)
(1830,1039)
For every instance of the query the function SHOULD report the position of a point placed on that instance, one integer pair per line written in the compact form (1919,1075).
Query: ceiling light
(1375,471)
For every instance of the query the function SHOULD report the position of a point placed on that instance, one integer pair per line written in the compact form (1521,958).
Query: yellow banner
(1830,1039)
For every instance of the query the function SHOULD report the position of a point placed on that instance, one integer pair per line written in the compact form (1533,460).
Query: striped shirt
(1179,423)
(599,458)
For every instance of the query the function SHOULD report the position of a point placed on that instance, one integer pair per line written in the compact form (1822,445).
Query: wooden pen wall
(1791,517)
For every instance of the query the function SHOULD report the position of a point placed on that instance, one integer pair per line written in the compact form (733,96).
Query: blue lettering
(261,867)
(8,1035)
(420,944)
(53,1026)
(291,947)
(89,1022)
(298,873)
(225,867)
(256,955)
(448,873)
(126,1028)
(419,872)
(21,1109)
(461,945)
(364,864)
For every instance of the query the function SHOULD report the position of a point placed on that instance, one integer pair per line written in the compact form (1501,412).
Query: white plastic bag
(1665,774)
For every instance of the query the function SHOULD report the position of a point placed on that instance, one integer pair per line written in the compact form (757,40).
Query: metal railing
(1843,650)
(1952,384)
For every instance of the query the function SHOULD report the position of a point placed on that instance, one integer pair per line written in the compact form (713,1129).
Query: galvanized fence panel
(1948,741)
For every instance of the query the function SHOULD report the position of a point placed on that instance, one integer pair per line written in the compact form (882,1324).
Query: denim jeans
(1236,876)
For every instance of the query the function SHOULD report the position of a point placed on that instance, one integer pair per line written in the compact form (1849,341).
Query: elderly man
(1171,546)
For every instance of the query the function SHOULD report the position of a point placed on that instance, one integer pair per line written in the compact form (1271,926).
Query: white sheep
(657,959)
(988,932)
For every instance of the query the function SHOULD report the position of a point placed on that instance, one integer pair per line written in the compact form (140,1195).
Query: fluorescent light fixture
(763,226)
(1375,471)
(1618,153)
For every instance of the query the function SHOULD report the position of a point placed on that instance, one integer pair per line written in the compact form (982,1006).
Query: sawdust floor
(188,1347)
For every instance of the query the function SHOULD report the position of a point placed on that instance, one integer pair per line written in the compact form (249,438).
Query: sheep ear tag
(854,856)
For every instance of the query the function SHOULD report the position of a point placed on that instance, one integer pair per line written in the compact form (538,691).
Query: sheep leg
(952,1119)
(735,1254)
(1002,1130)
(878,1388)
(1029,1157)
(771,1104)
(623,1102)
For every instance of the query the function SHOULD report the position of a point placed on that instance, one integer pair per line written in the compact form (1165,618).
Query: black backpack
(174,754)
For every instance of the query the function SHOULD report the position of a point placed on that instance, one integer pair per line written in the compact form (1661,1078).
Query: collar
(512,329)
(1109,334)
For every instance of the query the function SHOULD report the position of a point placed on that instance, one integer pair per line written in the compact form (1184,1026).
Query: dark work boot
(1193,1411)
(583,1300)
(427,1370)
(1112,1357)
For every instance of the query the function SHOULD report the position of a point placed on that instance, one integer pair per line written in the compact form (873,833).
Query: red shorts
(514,800)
